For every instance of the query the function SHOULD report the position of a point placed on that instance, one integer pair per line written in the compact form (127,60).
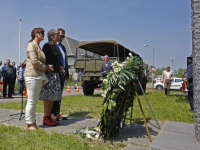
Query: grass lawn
(16,138)
(165,108)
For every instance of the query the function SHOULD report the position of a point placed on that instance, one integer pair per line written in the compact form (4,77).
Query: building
(70,45)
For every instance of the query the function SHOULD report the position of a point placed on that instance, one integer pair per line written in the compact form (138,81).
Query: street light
(172,58)
(20,20)
(153,61)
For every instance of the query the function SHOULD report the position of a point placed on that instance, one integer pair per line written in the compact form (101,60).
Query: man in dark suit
(106,67)
(14,79)
(64,75)
(8,75)
(189,79)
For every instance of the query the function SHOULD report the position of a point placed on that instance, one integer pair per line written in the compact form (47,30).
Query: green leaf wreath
(118,93)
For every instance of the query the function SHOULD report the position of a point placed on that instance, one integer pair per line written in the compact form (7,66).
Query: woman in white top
(34,75)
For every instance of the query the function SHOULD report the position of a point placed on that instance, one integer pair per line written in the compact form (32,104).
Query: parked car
(158,79)
(176,84)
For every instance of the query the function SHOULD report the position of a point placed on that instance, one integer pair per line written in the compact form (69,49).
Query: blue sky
(165,24)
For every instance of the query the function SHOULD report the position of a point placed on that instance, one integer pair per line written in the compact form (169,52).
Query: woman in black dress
(52,90)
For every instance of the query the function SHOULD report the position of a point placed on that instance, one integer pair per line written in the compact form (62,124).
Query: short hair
(60,29)
(106,56)
(8,59)
(50,33)
(168,67)
(13,62)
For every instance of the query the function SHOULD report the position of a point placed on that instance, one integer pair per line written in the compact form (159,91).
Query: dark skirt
(52,90)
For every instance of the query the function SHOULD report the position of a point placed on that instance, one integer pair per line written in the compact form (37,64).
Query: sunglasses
(62,36)
(42,32)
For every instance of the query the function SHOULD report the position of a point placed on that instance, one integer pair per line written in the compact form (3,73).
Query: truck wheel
(144,84)
(87,89)
(91,91)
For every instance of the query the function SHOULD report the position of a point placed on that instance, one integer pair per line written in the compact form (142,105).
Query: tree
(195,4)
(180,72)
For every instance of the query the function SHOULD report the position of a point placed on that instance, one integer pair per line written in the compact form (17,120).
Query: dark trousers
(56,104)
(14,80)
(190,97)
(9,82)
(167,85)
(21,86)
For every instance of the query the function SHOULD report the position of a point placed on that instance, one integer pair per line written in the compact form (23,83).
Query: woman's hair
(35,30)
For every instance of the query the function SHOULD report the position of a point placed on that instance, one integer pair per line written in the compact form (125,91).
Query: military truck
(91,64)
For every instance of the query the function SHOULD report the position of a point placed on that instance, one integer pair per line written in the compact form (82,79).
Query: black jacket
(52,55)
(61,59)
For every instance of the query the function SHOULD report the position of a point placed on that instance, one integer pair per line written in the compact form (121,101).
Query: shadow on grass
(81,114)
(182,101)
(140,121)
(96,95)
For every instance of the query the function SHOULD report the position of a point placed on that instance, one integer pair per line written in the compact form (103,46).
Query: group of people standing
(45,73)
(9,73)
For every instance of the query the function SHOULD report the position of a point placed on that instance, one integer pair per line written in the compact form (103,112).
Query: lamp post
(153,61)
(172,58)
(20,20)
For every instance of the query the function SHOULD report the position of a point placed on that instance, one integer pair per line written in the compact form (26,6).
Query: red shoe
(56,122)
(47,120)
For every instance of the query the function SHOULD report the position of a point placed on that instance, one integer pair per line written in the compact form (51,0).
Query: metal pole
(153,66)
(148,104)
(20,20)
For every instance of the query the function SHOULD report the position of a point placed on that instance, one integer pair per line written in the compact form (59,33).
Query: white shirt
(63,53)
(168,75)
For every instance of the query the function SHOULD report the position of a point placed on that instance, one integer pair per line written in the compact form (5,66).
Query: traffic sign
(153,69)
(175,71)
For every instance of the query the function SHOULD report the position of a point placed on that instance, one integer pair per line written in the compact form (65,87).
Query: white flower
(103,95)
(116,70)
(97,136)
(130,54)
(127,57)
(97,129)
(105,81)
(88,136)
(113,103)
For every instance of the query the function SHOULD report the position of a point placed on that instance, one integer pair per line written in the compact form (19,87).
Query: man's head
(0,62)
(13,64)
(168,68)
(61,33)
(106,58)
(20,63)
(8,62)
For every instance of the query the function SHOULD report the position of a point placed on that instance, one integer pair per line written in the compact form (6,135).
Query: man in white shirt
(167,77)
(75,79)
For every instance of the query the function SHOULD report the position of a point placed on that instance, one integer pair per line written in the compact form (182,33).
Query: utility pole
(20,20)
(195,4)
(172,58)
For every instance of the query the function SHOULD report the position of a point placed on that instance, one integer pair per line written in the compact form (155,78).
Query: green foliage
(159,71)
(180,73)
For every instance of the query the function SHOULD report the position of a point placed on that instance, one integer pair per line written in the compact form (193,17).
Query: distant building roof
(71,44)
